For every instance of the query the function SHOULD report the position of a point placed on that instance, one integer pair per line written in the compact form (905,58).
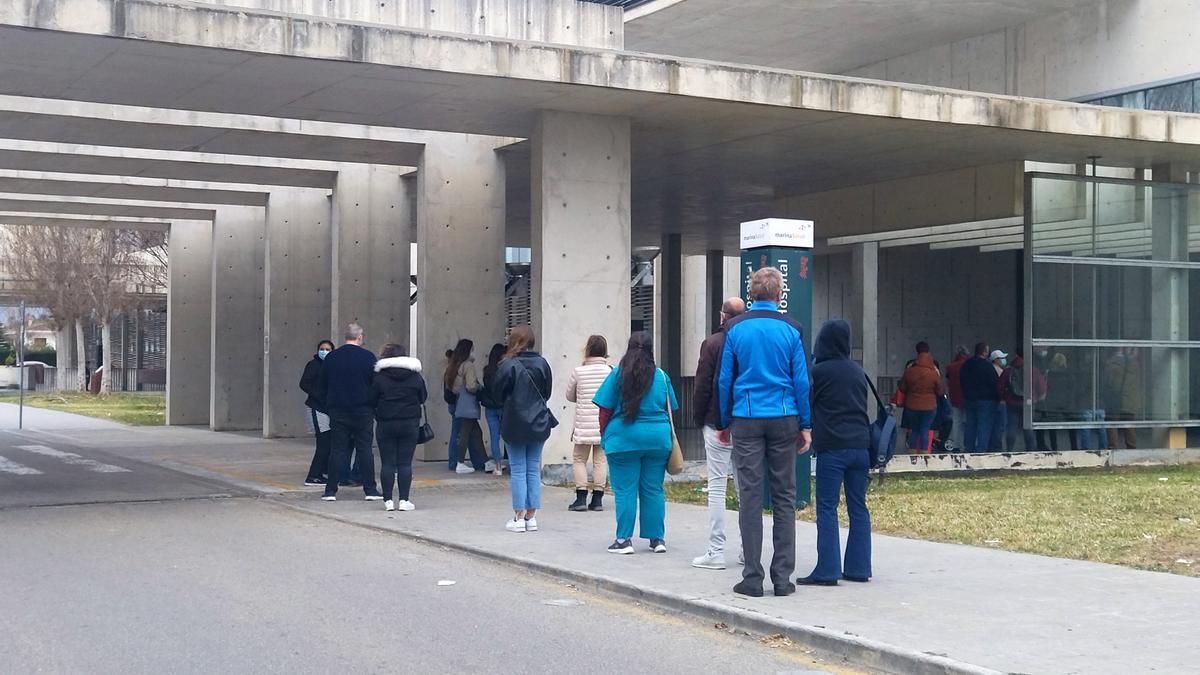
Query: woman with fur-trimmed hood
(397,396)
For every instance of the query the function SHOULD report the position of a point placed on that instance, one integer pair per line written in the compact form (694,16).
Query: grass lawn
(1147,518)
(140,409)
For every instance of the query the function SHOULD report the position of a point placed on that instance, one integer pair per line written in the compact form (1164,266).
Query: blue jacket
(764,370)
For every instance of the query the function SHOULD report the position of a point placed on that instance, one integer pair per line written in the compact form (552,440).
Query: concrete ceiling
(128,188)
(824,36)
(83,221)
(713,144)
(97,206)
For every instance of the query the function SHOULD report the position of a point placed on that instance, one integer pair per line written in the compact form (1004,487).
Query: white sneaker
(490,466)
(329,498)
(389,505)
(464,468)
(515,525)
(373,498)
(710,561)
(741,558)
(531,524)
(406,505)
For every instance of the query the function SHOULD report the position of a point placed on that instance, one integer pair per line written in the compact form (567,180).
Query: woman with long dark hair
(634,402)
(397,396)
(493,408)
(462,379)
(523,385)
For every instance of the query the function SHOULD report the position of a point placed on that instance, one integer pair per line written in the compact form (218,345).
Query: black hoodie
(839,393)
(397,390)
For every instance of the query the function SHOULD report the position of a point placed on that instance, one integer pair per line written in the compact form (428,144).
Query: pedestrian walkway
(40,418)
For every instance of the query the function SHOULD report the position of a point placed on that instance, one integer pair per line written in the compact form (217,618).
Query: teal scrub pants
(636,477)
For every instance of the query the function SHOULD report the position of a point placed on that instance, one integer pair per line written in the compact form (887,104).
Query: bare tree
(111,265)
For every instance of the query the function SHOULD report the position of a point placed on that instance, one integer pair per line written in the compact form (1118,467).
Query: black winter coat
(839,393)
(524,397)
(979,380)
(397,391)
(308,384)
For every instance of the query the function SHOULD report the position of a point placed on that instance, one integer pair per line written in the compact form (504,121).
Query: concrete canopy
(83,221)
(713,143)
(129,188)
(97,206)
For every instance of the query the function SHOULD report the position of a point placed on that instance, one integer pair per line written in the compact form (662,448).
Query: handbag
(543,420)
(675,461)
(883,432)
(425,431)
(898,398)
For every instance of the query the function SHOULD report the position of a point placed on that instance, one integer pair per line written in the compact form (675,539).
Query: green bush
(46,355)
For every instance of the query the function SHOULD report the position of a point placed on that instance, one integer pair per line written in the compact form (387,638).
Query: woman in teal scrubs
(637,439)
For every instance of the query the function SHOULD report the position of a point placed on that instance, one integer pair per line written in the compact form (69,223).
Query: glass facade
(1178,97)
(1112,302)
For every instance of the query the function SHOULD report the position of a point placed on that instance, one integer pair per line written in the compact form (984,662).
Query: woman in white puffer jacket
(581,387)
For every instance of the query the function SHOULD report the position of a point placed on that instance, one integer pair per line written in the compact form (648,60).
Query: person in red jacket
(1012,392)
(954,388)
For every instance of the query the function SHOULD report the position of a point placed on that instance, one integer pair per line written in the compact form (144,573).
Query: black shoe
(786,589)
(349,483)
(857,580)
(658,546)
(747,588)
(621,547)
(580,503)
(597,501)
(809,581)
(315,481)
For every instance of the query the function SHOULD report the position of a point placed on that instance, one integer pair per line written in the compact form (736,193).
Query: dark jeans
(349,431)
(320,461)
(1015,424)
(1047,439)
(977,432)
(767,446)
(836,468)
(470,438)
(918,433)
(397,444)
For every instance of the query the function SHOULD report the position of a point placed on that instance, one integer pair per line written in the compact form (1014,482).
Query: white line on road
(72,458)
(9,466)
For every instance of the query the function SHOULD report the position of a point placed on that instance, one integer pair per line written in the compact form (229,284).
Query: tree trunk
(106,342)
(80,357)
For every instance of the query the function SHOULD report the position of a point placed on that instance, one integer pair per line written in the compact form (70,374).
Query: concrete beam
(99,206)
(238,260)
(84,221)
(129,188)
(189,321)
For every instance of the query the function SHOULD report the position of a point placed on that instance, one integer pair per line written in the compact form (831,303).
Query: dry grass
(142,409)
(1148,518)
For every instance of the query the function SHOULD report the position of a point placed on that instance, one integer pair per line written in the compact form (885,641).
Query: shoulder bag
(425,431)
(675,461)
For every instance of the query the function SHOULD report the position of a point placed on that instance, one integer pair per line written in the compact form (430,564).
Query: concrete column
(697,311)
(238,249)
(460,260)
(864,304)
(372,233)
(1169,318)
(714,273)
(189,321)
(581,246)
(296,310)
(671,279)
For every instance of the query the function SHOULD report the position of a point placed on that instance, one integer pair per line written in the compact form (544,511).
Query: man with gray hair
(763,393)
(344,382)
(717,453)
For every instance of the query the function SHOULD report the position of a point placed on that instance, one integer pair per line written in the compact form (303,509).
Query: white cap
(997,354)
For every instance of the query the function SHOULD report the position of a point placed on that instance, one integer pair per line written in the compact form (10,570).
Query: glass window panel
(1171,97)
(1103,302)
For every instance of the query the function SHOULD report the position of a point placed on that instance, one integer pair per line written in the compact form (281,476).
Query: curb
(859,650)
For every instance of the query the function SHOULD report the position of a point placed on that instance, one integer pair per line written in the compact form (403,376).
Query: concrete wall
(189,322)
(1099,48)
(238,249)
(559,21)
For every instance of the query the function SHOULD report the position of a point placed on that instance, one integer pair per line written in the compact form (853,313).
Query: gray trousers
(720,467)
(767,446)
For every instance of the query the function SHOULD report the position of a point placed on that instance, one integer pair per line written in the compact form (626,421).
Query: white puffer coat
(581,387)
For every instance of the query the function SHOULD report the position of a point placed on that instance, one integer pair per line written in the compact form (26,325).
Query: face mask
(322,353)
(1002,362)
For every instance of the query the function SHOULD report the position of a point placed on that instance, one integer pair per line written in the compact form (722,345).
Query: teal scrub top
(650,430)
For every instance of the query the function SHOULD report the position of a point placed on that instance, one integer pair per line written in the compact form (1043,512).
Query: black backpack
(1016,382)
(883,432)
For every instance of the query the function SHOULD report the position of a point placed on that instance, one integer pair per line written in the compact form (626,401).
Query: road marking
(9,466)
(72,458)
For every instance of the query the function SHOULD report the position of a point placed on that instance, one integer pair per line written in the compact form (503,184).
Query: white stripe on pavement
(9,466)
(72,458)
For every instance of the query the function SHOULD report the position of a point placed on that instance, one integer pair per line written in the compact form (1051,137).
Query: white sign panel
(777,232)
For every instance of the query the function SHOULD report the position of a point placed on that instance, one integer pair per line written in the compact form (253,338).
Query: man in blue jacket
(344,384)
(763,393)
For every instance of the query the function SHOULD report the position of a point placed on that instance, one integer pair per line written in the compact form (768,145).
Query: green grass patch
(1143,517)
(139,409)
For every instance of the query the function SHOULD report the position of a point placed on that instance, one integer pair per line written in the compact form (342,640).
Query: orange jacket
(921,384)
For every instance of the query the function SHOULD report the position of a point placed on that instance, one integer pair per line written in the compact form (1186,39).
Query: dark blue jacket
(979,380)
(764,371)
(839,393)
(345,380)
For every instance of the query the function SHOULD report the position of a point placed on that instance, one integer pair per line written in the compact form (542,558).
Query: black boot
(597,501)
(580,503)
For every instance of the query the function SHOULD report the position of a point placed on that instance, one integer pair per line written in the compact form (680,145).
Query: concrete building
(964,183)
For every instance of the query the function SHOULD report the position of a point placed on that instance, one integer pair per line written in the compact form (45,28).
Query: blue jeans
(1015,423)
(981,418)
(493,421)
(918,435)
(637,476)
(836,468)
(525,465)
(1085,435)
(452,442)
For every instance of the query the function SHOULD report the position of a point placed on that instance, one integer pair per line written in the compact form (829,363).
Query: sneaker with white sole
(710,561)
(329,498)
(658,546)
(515,525)
(389,505)
(373,498)
(405,505)
(531,524)
(464,468)
(621,547)
(489,466)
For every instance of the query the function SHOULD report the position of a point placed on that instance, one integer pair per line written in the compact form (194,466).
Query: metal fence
(129,379)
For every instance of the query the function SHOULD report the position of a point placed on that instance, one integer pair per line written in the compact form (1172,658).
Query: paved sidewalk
(41,418)
(931,607)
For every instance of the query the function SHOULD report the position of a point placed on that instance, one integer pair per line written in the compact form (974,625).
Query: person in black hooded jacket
(841,436)
(397,397)
(315,415)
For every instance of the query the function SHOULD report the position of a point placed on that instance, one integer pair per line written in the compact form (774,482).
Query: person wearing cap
(981,397)
(999,359)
